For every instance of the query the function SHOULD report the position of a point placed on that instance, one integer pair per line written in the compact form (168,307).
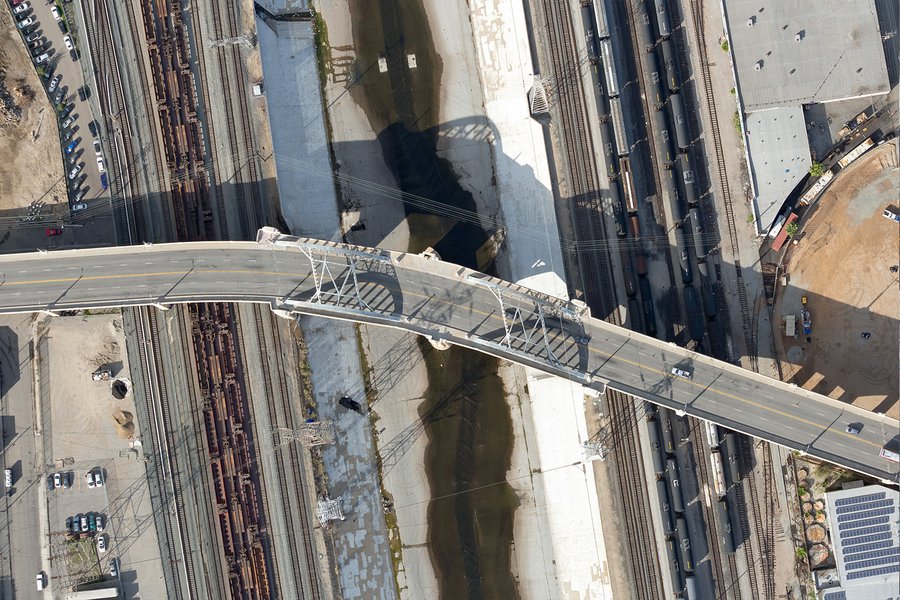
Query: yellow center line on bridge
(490,315)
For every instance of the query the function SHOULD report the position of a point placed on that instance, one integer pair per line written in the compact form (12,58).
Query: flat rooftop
(840,53)
(779,158)
(865,532)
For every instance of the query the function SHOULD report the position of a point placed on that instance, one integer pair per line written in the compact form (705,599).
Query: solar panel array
(867,543)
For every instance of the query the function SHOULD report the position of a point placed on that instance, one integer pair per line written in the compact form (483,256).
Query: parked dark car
(62,26)
(92,127)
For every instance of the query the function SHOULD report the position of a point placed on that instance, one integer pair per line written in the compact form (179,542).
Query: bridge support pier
(598,389)
(162,307)
(284,314)
(49,313)
(438,343)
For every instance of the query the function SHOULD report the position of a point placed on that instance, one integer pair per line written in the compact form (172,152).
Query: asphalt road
(22,538)
(446,302)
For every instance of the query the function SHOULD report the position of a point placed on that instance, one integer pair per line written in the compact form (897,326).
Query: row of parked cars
(85,523)
(64,479)
(58,93)
(38,45)
(88,525)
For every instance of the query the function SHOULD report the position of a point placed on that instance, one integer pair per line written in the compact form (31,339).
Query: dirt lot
(82,410)
(842,264)
(29,169)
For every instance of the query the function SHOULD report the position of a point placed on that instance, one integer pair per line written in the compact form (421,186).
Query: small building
(864,524)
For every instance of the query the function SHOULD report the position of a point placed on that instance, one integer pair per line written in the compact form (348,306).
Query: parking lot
(51,37)
(90,430)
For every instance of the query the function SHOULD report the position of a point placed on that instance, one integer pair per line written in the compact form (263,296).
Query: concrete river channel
(465,414)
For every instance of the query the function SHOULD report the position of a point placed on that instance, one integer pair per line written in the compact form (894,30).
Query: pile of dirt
(10,111)
(124,424)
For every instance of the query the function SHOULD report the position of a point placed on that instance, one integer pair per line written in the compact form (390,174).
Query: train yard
(642,193)
(676,222)
(220,507)
(593,264)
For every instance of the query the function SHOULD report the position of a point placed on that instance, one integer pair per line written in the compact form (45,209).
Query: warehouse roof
(866,537)
(779,158)
(839,54)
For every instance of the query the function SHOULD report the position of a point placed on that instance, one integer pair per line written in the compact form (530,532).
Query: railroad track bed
(289,479)
(719,172)
(233,144)
(628,469)
(117,122)
(579,172)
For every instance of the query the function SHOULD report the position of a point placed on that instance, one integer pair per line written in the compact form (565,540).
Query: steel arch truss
(534,323)
(349,279)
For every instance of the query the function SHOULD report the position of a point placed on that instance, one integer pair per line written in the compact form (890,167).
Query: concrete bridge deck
(454,305)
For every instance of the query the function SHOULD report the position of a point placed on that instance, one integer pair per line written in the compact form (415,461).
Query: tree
(792,229)
(816,169)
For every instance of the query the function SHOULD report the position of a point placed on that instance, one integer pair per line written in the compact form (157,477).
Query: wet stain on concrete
(470,441)
(402,104)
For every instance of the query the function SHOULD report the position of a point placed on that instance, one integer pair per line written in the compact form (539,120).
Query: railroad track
(115,111)
(756,526)
(594,269)
(763,535)
(629,469)
(598,287)
(160,416)
(237,116)
(701,456)
(286,459)
(696,8)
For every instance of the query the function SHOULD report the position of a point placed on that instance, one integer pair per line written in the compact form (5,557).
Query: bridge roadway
(454,305)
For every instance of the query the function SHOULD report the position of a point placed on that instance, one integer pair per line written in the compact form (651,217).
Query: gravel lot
(842,264)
